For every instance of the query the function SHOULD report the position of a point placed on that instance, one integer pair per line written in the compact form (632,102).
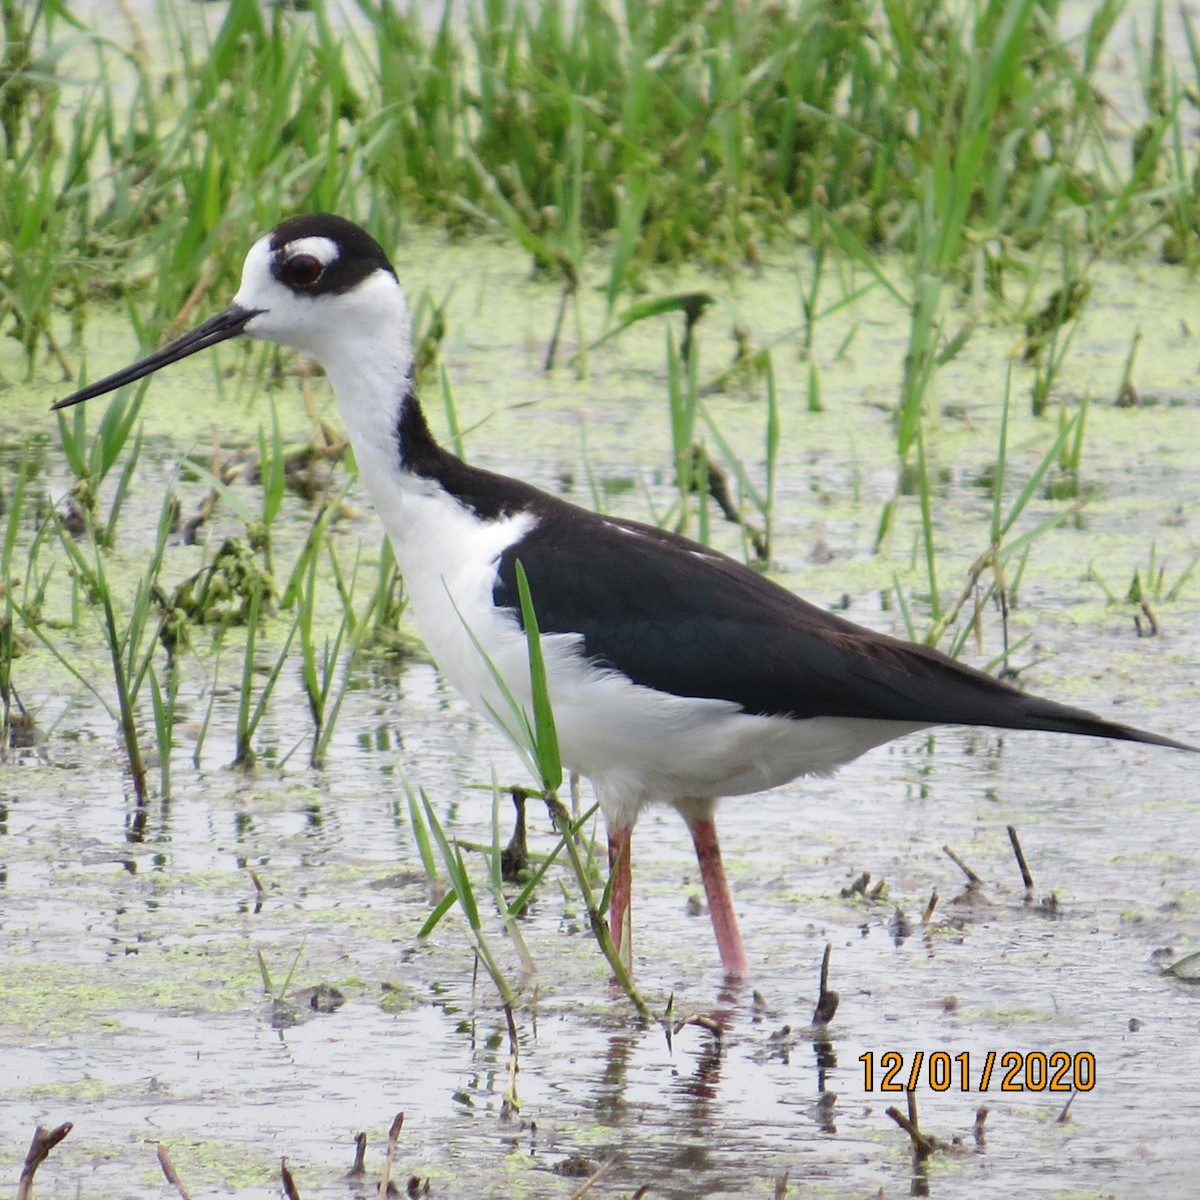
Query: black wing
(675,616)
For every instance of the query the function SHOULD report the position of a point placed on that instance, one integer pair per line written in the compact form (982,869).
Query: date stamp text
(1002,1071)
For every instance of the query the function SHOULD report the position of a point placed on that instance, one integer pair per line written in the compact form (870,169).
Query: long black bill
(225,325)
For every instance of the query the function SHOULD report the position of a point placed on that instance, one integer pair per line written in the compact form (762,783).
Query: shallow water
(131,1001)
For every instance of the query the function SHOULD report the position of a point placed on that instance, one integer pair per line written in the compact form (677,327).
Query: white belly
(636,745)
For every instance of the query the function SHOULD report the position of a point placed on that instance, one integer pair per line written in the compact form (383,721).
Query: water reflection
(135,821)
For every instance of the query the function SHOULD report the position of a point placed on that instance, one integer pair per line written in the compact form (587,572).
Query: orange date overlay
(1001,1071)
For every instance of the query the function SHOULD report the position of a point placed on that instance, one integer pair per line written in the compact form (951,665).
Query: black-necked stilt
(676,673)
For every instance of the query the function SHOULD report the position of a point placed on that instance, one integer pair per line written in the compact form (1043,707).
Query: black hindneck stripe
(489,496)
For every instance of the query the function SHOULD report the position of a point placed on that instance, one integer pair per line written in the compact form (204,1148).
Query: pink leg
(720,902)
(620,919)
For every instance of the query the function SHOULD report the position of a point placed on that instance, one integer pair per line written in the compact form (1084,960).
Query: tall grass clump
(962,135)
(10,644)
(129,635)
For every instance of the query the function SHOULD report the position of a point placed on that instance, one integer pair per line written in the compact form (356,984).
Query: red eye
(302,270)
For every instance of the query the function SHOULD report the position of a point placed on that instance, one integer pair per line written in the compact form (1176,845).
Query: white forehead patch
(323,249)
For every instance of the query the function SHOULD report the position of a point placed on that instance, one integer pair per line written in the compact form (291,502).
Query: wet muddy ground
(131,997)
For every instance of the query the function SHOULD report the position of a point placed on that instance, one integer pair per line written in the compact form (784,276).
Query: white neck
(367,354)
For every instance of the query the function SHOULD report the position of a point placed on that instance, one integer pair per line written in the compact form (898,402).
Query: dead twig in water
(512,1102)
(358,1168)
(781,1186)
(709,1023)
(44,1140)
(593,1179)
(933,899)
(1062,1116)
(827,1001)
(981,1115)
(514,858)
(289,1184)
(259,892)
(858,887)
(923,1147)
(393,1138)
(168,1169)
(972,878)
(1152,627)
(1026,877)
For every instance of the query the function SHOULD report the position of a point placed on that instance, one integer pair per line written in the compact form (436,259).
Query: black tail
(1037,713)
(926,684)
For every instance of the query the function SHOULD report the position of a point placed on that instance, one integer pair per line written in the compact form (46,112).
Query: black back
(675,616)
